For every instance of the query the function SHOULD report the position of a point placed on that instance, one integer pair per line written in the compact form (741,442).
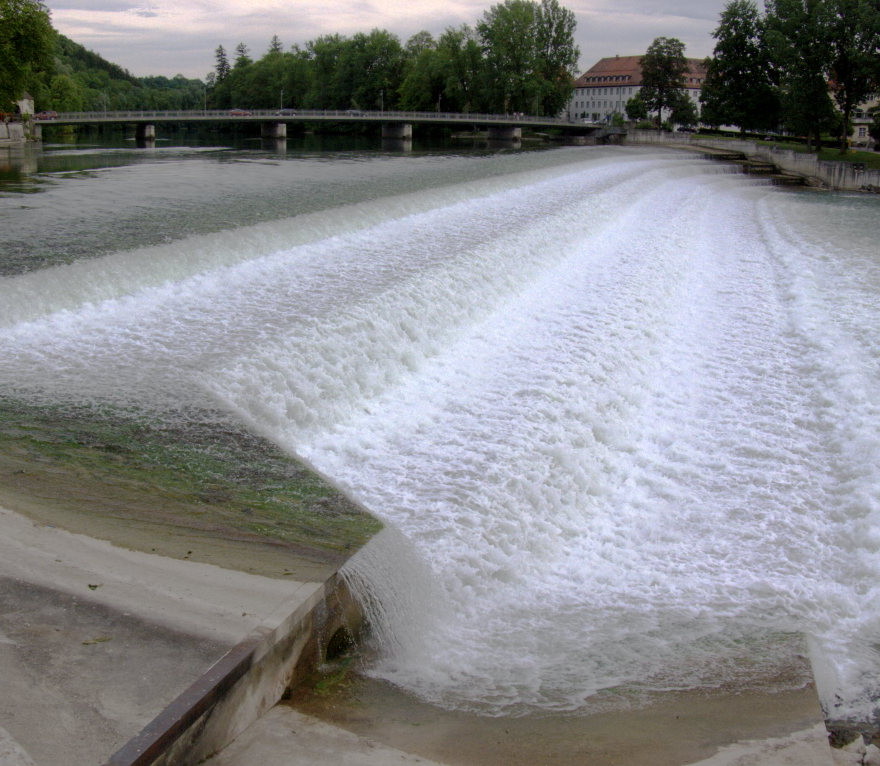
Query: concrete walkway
(96,640)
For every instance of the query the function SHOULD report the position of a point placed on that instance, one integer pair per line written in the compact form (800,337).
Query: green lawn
(211,478)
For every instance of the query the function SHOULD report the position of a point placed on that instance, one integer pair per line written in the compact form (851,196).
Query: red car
(46,115)
(239,113)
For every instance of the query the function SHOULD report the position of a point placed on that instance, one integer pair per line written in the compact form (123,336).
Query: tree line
(62,75)
(519,57)
(802,65)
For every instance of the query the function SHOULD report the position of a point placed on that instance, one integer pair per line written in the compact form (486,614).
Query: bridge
(273,122)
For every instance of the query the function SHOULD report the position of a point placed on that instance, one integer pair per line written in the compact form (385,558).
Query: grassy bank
(192,490)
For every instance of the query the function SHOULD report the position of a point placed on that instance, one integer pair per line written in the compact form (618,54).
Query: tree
(799,47)
(222,68)
(275,45)
(636,109)
(852,29)
(460,59)
(530,56)
(26,46)
(508,40)
(664,67)
(874,127)
(683,111)
(423,80)
(557,55)
(739,88)
(242,56)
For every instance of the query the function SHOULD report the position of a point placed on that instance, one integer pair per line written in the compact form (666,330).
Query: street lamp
(281,100)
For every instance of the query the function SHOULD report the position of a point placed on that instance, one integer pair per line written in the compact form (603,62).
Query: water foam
(617,409)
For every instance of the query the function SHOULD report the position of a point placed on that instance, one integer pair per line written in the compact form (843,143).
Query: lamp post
(281,100)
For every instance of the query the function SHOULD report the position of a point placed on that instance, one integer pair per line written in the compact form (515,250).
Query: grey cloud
(690,9)
(91,5)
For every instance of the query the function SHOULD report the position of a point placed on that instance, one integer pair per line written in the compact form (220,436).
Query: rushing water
(619,408)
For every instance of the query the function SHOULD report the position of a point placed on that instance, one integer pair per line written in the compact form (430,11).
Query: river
(618,407)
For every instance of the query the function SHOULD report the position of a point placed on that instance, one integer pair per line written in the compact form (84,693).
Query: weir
(618,404)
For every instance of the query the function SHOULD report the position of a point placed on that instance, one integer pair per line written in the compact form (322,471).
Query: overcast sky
(167,37)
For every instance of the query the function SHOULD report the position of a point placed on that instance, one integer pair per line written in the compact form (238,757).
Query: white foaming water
(621,416)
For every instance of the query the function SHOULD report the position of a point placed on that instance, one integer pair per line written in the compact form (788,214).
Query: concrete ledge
(838,175)
(246,681)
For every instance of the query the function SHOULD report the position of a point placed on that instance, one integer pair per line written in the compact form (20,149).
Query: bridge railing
(302,114)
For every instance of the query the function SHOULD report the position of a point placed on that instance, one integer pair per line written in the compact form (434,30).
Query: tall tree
(664,67)
(26,46)
(530,56)
(222,67)
(423,82)
(557,55)
(242,56)
(461,65)
(275,45)
(853,34)
(739,88)
(507,33)
(798,42)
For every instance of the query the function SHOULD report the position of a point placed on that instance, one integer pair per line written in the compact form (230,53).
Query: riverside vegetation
(200,480)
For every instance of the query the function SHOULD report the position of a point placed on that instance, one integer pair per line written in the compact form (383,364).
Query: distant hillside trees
(519,57)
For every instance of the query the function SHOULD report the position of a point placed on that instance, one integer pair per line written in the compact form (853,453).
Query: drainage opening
(340,643)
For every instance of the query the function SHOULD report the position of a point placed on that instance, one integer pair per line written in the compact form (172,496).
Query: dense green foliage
(664,68)
(26,38)
(805,65)
(71,78)
(520,57)
(739,87)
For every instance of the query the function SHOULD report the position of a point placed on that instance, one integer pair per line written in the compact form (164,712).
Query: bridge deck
(312,115)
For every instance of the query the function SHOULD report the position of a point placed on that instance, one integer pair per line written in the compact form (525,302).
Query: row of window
(612,78)
(604,91)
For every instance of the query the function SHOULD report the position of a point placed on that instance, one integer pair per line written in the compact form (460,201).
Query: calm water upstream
(619,408)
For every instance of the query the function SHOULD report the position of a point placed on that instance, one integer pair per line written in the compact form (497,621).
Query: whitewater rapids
(619,413)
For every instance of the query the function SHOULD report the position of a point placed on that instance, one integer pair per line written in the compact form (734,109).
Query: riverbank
(840,176)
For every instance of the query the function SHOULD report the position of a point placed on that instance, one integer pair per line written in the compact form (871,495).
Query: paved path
(95,640)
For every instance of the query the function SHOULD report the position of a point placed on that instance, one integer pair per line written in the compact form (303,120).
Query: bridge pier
(145,130)
(145,134)
(504,133)
(398,130)
(273,130)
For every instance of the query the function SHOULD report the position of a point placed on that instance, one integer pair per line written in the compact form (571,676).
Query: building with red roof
(604,88)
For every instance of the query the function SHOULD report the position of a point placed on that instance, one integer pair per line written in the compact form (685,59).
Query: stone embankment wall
(833,175)
(12,133)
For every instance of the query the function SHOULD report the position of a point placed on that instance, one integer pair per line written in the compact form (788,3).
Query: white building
(862,119)
(604,89)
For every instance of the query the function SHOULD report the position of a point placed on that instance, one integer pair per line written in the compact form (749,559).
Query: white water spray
(622,412)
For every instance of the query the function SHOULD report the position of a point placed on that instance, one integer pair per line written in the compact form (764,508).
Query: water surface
(617,407)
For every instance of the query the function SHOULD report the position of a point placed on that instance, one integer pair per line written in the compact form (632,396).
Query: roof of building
(627,70)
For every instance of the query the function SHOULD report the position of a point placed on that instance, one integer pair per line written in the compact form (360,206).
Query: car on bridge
(239,113)
(47,115)
(286,113)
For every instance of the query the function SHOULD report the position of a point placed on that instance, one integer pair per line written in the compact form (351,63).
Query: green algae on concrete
(174,487)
